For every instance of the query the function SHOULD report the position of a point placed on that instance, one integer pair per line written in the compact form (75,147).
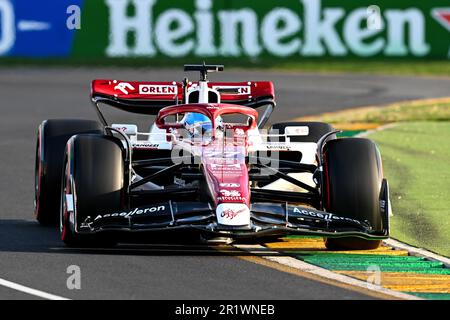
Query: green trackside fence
(246,30)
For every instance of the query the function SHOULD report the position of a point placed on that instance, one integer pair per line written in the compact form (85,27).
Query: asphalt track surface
(35,257)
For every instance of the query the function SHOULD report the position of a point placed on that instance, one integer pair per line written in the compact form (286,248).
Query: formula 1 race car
(207,165)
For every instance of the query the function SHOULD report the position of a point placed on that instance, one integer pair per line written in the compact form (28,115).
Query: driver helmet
(197,124)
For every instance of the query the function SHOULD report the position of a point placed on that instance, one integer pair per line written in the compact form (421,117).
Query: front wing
(267,219)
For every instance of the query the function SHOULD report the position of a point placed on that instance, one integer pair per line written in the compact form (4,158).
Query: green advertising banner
(265,28)
(237,29)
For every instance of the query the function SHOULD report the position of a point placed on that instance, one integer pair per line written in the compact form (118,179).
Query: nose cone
(233,214)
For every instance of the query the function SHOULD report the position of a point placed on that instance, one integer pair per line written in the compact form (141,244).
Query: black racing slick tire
(315,130)
(93,182)
(52,137)
(353,175)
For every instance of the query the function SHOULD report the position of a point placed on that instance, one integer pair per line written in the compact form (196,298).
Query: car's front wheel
(93,183)
(353,177)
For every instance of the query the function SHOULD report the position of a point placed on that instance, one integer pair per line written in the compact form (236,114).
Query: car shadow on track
(29,236)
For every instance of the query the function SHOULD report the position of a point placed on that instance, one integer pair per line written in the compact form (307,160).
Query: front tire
(353,176)
(93,183)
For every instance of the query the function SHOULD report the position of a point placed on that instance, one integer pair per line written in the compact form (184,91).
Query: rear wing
(250,94)
(150,97)
(137,97)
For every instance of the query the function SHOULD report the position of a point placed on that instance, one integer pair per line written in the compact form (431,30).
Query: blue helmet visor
(198,119)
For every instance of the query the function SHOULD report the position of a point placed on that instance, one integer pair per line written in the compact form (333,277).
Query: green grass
(325,65)
(421,110)
(416,159)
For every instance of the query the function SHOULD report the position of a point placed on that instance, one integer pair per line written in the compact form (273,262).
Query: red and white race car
(207,165)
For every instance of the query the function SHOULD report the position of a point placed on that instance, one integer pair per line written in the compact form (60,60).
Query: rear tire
(52,137)
(353,176)
(94,176)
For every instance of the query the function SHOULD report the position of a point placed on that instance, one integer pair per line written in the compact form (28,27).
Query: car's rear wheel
(93,183)
(52,137)
(353,176)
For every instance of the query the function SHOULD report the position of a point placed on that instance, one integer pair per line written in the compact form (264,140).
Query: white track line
(30,291)
(275,256)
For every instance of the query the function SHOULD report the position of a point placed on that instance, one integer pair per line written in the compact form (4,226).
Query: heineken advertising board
(241,29)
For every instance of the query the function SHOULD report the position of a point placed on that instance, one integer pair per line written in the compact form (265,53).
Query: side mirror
(162,124)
